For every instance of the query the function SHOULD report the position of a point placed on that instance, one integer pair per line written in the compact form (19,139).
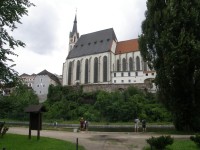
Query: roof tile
(127,46)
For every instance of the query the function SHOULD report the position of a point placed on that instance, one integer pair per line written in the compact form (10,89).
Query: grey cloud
(38,30)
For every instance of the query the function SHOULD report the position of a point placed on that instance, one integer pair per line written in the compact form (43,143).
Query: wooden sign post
(35,120)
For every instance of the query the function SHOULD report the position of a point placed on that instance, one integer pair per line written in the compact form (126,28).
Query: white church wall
(113,47)
(131,77)
(65,73)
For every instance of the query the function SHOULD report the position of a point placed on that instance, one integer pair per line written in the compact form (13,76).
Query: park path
(98,140)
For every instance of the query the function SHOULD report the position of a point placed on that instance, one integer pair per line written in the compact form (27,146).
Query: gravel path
(98,140)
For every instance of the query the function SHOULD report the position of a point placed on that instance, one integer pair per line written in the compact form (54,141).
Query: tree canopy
(67,103)
(170,43)
(11,11)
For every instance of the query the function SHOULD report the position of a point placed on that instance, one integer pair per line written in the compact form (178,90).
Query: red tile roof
(127,46)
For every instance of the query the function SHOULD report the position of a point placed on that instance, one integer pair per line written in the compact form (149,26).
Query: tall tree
(170,42)
(11,12)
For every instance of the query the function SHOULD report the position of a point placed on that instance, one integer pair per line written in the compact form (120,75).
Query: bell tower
(74,35)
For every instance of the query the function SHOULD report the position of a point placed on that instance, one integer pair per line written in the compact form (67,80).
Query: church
(99,58)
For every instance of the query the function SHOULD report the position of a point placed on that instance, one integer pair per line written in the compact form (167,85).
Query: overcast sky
(46,28)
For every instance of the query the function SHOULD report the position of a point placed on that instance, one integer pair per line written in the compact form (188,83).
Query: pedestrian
(86,125)
(137,121)
(144,125)
(81,123)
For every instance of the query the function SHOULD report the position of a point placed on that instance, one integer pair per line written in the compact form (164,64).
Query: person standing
(86,125)
(137,121)
(144,125)
(81,124)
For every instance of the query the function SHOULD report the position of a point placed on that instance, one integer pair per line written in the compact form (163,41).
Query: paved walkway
(98,140)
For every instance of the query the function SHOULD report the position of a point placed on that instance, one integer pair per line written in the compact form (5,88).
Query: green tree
(11,11)
(12,106)
(170,43)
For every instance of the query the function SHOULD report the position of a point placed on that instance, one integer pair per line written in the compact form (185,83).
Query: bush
(196,139)
(3,129)
(160,143)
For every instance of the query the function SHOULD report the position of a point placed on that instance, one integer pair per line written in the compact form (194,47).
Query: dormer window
(89,43)
(81,45)
(101,41)
(95,42)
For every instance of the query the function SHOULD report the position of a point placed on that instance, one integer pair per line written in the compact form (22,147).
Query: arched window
(95,70)
(145,66)
(86,71)
(70,73)
(118,65)
(124,64)
(130,64)
(74,39)
(105,66)
(78,70)
(137,63)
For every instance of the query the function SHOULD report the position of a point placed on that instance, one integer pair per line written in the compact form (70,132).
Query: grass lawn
(21,142)
(180,145)
(183,145)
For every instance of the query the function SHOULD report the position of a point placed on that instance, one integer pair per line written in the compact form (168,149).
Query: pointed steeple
(74,30)
(74,35)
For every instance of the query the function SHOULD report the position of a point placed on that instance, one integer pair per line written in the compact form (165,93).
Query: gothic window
(130,64)
(86,71)
(124,64)
(78,70)
(145,66)
(70,73)
(95,70)
(137,63)
(118,65)
(105,66)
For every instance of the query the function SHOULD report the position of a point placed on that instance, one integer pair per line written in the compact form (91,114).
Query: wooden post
(38,130)
(29,135)
(76,143)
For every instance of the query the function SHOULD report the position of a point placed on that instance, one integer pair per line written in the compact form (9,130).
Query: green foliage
(12,106)
(160,143)
(180,145)
(170,43)
(11,13)
(196,139)
(3,129)
(67,103)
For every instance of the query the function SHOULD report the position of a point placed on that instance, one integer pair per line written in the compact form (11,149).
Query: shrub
(3,129)
(160,143)
(196,139)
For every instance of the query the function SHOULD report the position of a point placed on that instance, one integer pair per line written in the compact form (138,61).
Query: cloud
(46,28)
(39,28)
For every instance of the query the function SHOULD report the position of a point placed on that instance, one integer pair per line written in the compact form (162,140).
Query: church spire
(74,30)
(74,35)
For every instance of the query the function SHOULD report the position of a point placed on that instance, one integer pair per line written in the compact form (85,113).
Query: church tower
(74,35)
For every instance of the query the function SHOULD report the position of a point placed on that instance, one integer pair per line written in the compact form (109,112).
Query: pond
(131,129)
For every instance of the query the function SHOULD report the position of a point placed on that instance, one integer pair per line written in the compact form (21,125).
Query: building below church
(40,83)
(98,58)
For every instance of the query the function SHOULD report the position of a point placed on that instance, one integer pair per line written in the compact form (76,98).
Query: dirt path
(98,140)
